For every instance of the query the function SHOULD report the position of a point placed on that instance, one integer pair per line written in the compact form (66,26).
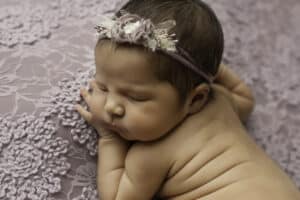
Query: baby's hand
(237,91)
(92,115)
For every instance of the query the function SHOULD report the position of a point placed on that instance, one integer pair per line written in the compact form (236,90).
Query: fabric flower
(134,29)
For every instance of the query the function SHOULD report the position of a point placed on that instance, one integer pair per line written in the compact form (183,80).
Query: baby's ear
(198,98)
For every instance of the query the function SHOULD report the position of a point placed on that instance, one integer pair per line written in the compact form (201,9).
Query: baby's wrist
(103,133)
(106,135)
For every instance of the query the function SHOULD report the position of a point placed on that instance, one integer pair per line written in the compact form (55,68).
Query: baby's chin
(136,136)
(127,136)
(140,138)
(130,137)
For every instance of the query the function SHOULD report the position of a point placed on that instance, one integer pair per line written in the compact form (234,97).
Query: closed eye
(137,98)
(102,88)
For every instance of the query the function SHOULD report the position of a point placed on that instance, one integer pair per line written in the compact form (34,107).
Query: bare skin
(236,91)
(218,161)
(153,146)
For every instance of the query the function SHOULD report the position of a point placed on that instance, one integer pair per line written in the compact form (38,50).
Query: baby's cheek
(133,119)
(143,122)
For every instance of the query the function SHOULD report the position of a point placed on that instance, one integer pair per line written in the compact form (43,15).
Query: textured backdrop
(46,53)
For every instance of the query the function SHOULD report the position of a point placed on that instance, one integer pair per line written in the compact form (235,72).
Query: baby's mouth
(117,129)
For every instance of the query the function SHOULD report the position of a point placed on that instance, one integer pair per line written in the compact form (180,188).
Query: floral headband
(131,28)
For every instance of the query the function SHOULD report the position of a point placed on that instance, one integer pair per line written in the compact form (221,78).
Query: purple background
(46,151)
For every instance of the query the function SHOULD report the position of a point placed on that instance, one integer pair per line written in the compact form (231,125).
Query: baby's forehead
(113,47)
(135,52)
(126,62)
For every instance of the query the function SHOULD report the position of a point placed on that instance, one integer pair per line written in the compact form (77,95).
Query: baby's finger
(85,94)
(85,114)
(93,85)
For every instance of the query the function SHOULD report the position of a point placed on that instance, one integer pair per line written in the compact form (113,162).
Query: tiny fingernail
(81,90)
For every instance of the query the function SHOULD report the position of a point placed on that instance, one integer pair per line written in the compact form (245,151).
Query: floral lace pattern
(31,157)
(46,54)
(26,24)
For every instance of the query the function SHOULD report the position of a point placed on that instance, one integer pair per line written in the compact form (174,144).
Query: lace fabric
(46,54)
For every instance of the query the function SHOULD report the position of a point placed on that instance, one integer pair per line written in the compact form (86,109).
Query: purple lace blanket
(46,54)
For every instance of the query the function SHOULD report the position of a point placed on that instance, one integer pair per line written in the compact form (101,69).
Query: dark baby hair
(199,33)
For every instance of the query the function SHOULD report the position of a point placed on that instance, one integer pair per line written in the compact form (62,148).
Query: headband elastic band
(131,28)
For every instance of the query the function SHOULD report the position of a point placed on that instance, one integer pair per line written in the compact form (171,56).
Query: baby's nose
(114,108)
(119,111)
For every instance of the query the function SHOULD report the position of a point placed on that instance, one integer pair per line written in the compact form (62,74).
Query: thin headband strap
(183,57)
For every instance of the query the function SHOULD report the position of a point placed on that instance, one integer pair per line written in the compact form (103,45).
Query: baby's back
(221,162)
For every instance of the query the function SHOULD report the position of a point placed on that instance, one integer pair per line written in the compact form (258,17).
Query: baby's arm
(112,148)
(124,172)
(237,90)
(127,172)
(145,171)
(111,163)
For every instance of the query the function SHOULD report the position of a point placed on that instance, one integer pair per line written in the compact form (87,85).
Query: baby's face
(130,98)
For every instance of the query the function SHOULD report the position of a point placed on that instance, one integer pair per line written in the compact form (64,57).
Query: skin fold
(151,145)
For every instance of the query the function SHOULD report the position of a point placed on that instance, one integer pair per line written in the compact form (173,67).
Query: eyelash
(132,98)
(136,98)
(103,89)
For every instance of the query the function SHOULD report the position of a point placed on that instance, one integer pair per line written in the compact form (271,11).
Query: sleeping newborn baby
(170,116)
